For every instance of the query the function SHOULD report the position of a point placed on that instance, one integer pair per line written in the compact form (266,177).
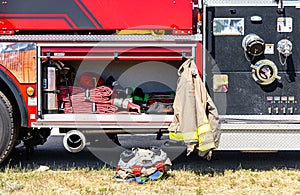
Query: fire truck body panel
(96,15)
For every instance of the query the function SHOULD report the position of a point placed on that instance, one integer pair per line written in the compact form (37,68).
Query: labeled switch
(269,110)
(283,110)
(291,110)
(276,110)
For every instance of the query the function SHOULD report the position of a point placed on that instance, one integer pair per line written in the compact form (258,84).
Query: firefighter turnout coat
(195,115)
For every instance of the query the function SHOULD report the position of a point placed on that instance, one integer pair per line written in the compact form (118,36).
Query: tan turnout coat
(193,107)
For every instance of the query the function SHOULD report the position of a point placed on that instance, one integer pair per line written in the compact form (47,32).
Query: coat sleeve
(210,112)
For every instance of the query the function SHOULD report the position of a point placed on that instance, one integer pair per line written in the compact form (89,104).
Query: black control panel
(252,59)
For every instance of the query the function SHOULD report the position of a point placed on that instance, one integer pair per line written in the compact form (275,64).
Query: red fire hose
(96,100)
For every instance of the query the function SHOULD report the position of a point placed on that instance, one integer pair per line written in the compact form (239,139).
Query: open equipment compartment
(108,85)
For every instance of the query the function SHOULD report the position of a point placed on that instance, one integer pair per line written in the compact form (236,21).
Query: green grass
(90,181)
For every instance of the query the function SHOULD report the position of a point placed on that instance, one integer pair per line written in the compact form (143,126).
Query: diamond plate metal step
(100,38)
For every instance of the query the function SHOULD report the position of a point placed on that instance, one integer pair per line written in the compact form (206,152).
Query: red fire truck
(94,67)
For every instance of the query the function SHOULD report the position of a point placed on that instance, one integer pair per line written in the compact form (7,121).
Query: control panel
(252,63)
(281,105)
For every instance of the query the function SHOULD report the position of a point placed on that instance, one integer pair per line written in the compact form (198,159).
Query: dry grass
(88,181)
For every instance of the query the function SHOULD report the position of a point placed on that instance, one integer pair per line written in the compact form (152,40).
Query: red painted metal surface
(96,14)
(199,58)
(138,53)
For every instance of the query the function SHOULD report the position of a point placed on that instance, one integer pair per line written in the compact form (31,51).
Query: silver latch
(197,6)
